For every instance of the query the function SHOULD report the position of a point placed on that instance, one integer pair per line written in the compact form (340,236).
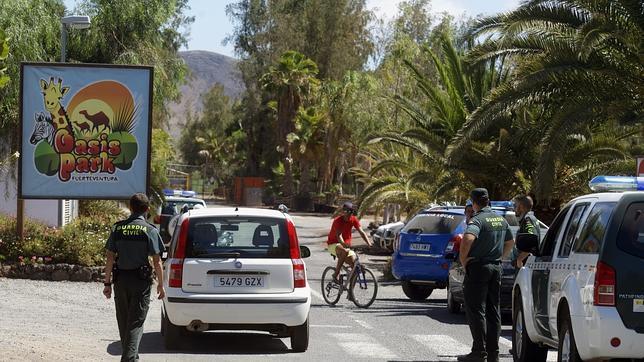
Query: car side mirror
(305,252)
(528,243)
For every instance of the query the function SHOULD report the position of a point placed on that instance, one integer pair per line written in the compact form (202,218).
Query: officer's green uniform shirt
(491,231)
(529,225)
(134,240)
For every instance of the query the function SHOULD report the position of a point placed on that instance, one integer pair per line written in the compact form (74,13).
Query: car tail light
(292,239)
(176,273)
(179,251)
(454,244)
(604,285)
(175,278)
(299,272)
(397,242)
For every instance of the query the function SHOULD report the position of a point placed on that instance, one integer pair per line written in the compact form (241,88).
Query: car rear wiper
(219,255)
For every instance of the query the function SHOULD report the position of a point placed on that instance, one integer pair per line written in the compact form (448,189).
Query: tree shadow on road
(216,343)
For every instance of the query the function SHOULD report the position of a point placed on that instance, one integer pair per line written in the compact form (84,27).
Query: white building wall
(50,212)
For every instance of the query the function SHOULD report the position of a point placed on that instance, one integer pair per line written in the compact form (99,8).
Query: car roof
(237,211)
(183,199)
(606,196)
(443,210)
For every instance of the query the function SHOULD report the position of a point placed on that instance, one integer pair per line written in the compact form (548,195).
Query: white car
(583,291)
(385,235)
(236,269)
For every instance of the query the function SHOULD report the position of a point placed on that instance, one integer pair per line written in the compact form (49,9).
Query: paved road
(38,322)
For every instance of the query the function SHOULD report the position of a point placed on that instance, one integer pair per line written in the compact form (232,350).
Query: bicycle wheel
(363,288)
(331,291)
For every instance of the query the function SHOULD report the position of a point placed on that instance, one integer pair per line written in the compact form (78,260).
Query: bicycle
(359,282)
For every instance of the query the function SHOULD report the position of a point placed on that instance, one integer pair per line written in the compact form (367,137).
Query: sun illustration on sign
(91,134)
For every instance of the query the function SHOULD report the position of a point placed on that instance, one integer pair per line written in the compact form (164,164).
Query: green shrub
(80,242)
(104,210)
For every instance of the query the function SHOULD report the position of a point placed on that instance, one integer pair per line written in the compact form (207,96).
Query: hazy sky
(212,25)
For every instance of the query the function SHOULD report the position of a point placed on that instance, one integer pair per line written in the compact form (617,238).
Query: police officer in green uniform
(528,225)
(487,240)
(130,245)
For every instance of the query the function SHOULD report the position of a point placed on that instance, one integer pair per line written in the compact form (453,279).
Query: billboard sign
(86,131)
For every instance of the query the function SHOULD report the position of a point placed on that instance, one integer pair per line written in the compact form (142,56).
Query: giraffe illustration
(53,93)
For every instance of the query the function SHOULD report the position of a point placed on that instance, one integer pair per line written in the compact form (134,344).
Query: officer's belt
(484,262)
(129,270)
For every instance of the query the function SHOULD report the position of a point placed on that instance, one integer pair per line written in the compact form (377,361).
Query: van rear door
(626,254)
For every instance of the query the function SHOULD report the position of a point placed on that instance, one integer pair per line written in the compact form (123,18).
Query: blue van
(420,247)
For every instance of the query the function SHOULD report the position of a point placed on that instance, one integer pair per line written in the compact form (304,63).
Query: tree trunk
(287,107)
(304,198)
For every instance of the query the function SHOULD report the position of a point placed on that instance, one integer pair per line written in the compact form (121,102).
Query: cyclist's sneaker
(335,278)
(350,297)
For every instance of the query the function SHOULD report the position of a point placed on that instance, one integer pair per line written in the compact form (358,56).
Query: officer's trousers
(482,292)
(132,300)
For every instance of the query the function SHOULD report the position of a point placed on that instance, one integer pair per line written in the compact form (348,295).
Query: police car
(236,269)
(583,291)
(173,201)
(455,295)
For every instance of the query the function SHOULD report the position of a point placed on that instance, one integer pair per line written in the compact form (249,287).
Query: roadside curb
(53,272)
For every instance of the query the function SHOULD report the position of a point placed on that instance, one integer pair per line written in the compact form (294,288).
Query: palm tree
(436,121)
(4,52)
(578,61)
(291,80)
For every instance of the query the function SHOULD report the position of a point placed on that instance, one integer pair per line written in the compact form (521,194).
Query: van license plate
(419,247)
(638,305)
(240,281)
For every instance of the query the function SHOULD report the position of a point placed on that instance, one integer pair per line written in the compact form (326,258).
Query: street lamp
(74,22)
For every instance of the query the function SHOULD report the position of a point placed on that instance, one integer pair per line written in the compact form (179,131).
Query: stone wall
(55,272)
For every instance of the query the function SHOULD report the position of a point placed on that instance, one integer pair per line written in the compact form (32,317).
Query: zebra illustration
(43,129)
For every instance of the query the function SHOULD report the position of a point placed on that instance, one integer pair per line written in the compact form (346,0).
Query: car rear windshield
(234,236)
(434,223)
(631,233)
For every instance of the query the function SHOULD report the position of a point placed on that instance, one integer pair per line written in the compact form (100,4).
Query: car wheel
(523,349)
(300,337)
(416,292)
(453,306)
(567,349)
(173,335)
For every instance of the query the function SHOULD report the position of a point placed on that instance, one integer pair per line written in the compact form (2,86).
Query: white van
(583,291)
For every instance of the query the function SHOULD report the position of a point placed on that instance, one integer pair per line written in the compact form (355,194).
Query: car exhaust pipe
(197,326)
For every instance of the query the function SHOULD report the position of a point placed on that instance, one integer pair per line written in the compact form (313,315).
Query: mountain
(206,69)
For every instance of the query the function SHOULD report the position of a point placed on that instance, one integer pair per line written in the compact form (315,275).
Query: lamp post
(73,22)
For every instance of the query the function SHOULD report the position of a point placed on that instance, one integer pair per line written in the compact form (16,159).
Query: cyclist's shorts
(331,248)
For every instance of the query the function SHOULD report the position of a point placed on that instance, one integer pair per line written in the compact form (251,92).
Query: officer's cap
(480,194)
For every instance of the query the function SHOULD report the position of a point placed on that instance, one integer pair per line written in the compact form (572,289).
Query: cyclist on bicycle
(339,240)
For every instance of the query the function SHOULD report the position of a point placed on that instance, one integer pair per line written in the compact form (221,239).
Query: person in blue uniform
(130,246)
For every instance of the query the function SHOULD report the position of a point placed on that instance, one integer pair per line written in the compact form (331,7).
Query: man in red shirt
(339,241)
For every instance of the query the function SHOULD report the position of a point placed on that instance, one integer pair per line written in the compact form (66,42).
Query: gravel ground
(80,322)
